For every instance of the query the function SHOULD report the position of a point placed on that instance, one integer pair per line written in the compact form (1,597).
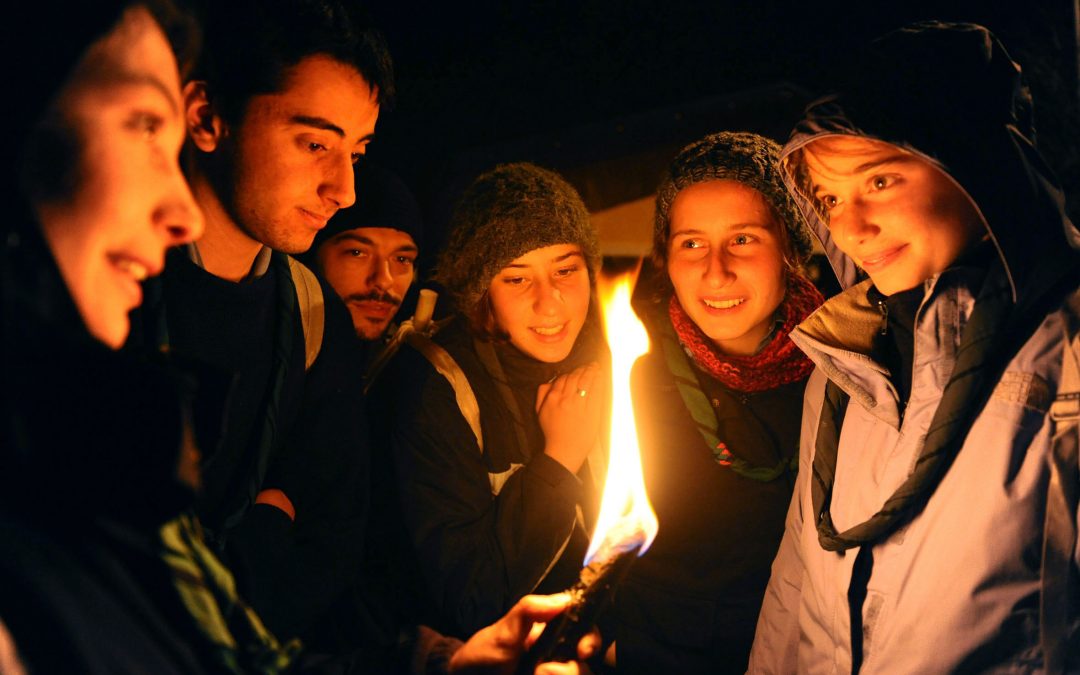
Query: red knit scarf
(778,363)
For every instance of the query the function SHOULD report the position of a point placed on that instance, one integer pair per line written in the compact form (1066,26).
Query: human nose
(178,217)
(338,183)
(718,271)
(850,223)
(547,298)
(381,277)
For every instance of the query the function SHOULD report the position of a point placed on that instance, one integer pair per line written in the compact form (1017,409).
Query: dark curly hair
(251,44)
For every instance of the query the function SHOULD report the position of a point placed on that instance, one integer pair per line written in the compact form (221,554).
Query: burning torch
(626,525)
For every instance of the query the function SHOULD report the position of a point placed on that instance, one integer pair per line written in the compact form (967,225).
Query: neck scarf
(777,363)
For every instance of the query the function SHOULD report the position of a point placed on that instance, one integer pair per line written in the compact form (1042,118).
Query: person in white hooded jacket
(928,467)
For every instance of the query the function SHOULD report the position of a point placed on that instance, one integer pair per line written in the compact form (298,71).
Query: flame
(626,517)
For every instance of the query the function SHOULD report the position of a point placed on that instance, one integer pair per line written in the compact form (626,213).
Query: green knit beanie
(741,156)
(504,214)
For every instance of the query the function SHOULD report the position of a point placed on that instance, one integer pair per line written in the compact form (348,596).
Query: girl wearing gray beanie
(496,427)
(718,401)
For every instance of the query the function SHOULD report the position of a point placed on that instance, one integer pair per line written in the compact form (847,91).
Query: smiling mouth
(882,258)
(134,268)
(723,304)
(548,331)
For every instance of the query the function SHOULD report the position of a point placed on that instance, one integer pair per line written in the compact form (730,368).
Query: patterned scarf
(778,363)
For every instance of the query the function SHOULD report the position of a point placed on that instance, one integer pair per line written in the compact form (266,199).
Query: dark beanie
(382,200)
(504,214)
(744,157)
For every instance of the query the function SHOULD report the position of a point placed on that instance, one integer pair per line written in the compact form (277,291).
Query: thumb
(541,394)
(534,609)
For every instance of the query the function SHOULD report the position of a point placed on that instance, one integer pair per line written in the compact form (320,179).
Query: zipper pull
(879,301)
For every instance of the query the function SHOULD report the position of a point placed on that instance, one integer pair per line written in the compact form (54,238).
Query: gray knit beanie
(731,155)
(504,214)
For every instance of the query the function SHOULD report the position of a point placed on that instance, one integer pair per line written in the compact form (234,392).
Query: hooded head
(949,96)
(514,212)
(99,168)
(368,251)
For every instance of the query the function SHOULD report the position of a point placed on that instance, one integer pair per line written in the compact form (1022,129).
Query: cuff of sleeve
(551,472)
(432,652)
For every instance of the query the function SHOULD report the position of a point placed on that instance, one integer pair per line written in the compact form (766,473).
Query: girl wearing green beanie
(718,402)
(496,421)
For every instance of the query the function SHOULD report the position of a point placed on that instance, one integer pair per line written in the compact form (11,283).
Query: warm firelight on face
(626,518)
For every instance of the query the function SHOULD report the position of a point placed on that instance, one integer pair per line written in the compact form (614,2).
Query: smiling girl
(718,402)
(495,420)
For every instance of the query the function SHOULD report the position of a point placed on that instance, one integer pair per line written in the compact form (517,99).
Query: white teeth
(548,330)
(723,304)
(133,267)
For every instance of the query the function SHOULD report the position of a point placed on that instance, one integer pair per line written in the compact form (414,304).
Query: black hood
(951,94)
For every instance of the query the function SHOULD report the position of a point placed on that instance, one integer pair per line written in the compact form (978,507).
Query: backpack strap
(420,322)
(309,298)
(463,394)
(449,368)
(1059,634)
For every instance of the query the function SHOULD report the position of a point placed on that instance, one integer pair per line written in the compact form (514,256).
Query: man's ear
(205,127)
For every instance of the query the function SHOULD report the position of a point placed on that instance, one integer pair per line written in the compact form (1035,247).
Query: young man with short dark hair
(919,538)
(281,105)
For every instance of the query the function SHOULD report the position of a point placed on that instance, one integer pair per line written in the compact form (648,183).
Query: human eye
(513,281)
(691,243)
(829,202)
(145,124)
(356,252)
(743,239)
(355,157)
(883,182)
(566,271)
(313,144)
(404,260)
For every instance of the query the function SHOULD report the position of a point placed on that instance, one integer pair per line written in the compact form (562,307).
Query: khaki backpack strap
(1059,593)
(449,368)
(309,297)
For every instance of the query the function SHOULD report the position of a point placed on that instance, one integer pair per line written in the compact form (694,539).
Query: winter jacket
(97,572)
(954,586)
(491,526)
(299,430)
(691,601)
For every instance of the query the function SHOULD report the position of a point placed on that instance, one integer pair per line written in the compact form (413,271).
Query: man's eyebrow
(326,125)
(318,123)
(361,239)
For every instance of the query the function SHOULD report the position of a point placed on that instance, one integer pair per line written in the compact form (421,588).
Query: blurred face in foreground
(726,262)
(129,201)
(541,300)
(899,217)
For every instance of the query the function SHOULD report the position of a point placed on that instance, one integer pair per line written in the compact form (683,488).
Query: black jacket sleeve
(299,569)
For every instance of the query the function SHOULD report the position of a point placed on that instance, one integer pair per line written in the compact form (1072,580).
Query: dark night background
(606,92)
